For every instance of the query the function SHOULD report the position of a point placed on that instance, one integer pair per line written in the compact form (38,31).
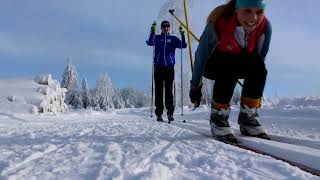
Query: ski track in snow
(128,144)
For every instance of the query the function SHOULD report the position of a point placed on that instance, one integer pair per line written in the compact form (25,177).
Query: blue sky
(109,36)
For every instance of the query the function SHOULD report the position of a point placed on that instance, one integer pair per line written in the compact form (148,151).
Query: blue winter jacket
(165,46)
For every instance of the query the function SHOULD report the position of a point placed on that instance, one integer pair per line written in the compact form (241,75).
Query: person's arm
(208,42)
(152,39)
(180,43)
(264,41)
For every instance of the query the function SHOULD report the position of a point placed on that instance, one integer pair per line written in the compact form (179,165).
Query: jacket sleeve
(180,43)
(152,39)
(207,44)
(266,42)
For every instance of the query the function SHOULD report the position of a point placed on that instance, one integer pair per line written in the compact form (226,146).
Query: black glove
(195,94)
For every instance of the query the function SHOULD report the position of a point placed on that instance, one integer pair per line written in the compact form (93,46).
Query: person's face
(250,17)
(165,28)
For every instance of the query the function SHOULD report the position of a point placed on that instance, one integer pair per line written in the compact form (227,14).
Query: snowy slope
(128,144)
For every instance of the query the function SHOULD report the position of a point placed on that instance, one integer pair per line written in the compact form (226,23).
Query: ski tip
(261,135)
(229,139)
(264,136)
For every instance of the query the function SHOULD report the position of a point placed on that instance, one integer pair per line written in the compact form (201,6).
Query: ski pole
(188,32)
(152,91)
(178,19)
(152,76)
(181,71)
(174,93)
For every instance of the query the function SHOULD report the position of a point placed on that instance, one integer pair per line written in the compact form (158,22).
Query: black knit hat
(165,24)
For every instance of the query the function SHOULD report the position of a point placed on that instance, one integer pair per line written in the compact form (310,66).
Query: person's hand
(154,27)
(181,30)
(195,94)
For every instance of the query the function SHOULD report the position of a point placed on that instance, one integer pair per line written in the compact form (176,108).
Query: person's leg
(169,80)
(222,92)
(252,92)
(224,69)
(220,109)
(254,82)
(158,80)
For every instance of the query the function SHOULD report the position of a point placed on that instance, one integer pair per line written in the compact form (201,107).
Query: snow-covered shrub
(39,94)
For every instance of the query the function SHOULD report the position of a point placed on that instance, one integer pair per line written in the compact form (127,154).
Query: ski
(300,166)
(228,139)
(240,145)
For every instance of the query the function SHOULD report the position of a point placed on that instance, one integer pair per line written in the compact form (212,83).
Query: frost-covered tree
(236,97)
(117,99)
(128,96)
(76,99)
(178,7)
(134,98)
(70,81)
(103,103)
(94,99)
(141,99)
(103,93)
(207,89)
(182,87)
(86,96)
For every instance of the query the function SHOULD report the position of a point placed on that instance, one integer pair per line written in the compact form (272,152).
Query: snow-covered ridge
(292,101)
(39,94)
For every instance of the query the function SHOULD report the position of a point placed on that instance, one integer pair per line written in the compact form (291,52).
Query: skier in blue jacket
(164,61)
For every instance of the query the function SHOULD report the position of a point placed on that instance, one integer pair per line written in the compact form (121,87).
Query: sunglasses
(165,25)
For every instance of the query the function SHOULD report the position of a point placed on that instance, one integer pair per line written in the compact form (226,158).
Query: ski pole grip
(171,11)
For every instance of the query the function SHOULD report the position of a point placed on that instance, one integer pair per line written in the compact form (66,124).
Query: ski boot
(220,127)
(159,119)
(249,124)
(170,118)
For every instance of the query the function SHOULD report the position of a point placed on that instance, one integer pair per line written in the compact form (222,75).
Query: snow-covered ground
(128,144)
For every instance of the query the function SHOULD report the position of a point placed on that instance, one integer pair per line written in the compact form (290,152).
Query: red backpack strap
(226,29)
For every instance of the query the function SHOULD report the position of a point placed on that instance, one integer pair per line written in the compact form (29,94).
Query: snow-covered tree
(178,7)
(117,100)
(182,87)
(103,93)
(86,96)
(134,98)
(235,100)
(94,99)
(128,96)
(76,99)
(70,81)
(141,99)
(207,89)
